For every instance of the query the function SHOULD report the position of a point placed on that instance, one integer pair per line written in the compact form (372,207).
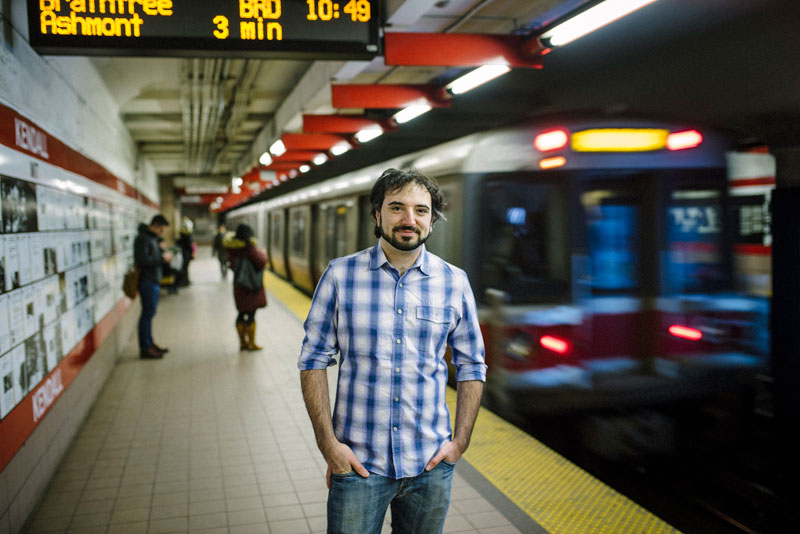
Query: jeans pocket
(342,476)
(448,463)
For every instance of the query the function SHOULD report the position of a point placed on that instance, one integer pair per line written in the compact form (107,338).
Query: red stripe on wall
(20,423)
(755,250)
(59,154)
(743,182)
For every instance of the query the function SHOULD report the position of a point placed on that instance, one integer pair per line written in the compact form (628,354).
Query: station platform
(214,440)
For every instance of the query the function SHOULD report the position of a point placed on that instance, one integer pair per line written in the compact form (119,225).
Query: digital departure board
(291,29)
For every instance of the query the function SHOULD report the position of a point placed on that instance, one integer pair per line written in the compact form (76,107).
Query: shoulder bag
(130,283)
(247,277)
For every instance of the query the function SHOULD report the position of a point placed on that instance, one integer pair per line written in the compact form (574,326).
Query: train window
(695,258)
(525,235)
(336,231)
(612,221)
(275,225)
(298,232)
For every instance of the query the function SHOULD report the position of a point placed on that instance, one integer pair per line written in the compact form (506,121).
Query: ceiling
(731,64)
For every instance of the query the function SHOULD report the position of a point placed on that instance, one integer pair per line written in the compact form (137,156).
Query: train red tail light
(685,332)
(684,140)
(556,344)
(552,140)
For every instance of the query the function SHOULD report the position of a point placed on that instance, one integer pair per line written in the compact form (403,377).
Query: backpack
(247,277)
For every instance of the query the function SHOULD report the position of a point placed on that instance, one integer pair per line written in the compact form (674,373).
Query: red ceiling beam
(461,50)
(385,96)
(311,141)
(341,123)
(299,156)
(284,166)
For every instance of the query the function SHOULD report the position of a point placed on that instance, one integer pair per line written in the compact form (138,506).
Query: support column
(170,207)
(785,317)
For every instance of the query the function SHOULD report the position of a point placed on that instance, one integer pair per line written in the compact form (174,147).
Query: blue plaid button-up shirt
(391,332)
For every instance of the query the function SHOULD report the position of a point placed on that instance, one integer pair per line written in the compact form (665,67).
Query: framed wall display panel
(66,239)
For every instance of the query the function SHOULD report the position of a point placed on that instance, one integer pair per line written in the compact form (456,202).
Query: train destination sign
(290,29)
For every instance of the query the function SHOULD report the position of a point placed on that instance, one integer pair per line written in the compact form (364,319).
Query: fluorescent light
(368,134)
(277,148)
(305,168)
(265,159)
(341,148)
(319,159)
(475,78)
(411,112)
(237,181)
(590,20)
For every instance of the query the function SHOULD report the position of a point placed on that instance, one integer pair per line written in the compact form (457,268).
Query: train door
(616,280)
(335,233)
(299,248)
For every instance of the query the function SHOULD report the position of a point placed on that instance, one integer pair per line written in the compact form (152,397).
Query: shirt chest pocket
(435,314)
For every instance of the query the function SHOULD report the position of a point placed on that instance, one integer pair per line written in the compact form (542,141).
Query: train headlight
(519,347)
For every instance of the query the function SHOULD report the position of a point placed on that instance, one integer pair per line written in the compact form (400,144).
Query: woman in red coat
(241,246)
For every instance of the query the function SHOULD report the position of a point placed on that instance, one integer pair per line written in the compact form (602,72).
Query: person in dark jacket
(186,244)
(218,250)
(149,258)
(241,246)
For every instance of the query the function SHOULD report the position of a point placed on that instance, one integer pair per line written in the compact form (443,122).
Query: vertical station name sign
(289,29)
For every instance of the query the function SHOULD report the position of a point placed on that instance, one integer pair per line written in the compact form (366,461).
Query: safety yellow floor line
(555,493)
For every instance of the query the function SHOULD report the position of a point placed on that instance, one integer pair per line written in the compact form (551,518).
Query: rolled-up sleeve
(466,340)
(320,344)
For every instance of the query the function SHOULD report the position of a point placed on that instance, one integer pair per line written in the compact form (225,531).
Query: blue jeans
(358,505)
(148,291)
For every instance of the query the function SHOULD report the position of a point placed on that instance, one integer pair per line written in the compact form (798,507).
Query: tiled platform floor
(209,439)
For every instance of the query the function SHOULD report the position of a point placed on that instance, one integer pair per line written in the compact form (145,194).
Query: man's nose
(408,217)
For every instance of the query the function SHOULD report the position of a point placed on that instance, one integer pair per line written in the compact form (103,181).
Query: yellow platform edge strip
(552,491)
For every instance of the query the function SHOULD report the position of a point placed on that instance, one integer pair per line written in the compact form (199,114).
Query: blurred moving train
(613,263)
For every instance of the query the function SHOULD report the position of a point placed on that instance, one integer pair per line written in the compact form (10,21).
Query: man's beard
(404,243)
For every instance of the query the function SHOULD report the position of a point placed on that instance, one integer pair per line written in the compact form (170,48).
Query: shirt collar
(377,259)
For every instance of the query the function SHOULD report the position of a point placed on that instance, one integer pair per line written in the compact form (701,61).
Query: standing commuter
(219,250)
(186,245)
(389,311)
(241,247)
(149,258)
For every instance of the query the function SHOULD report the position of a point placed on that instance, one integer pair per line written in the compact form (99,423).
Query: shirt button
(397,341)
(394,428)
(396,369)
(400,312)
(401,284)
(397,399)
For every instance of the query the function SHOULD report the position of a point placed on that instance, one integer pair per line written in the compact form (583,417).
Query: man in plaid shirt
(389,312)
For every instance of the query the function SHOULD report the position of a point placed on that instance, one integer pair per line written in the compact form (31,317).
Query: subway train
(608,258)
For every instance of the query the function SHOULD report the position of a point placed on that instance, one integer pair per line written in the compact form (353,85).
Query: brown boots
(240,329)
(247,336)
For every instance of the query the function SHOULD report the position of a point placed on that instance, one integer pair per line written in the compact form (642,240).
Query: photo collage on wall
(59,274)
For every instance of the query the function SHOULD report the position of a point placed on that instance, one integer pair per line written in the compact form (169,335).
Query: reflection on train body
(606,271)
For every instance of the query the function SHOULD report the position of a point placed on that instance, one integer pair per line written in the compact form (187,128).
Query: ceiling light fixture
(340,149)
(590,20)
(319,159)
(475,78)
(265,159)
(368,134)
(305,168)
(411,112)
(277,148)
